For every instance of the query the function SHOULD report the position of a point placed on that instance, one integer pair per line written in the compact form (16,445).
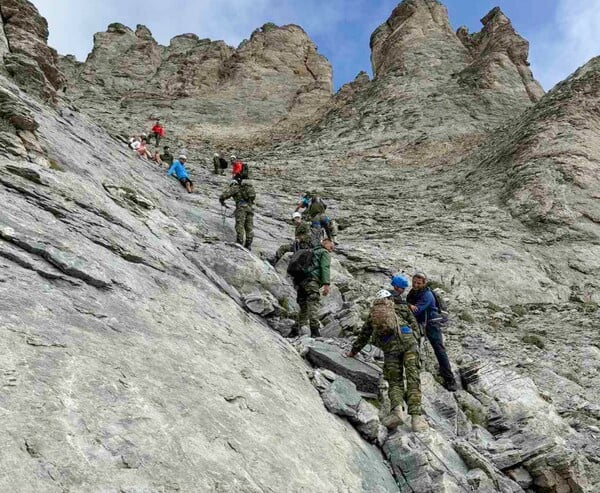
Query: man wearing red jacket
(158,131)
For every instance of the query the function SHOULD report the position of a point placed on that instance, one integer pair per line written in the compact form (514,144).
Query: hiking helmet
(232,157)
(296,215)
(216,154)
(420,275)
(399,281)
(384,293)
(183,156)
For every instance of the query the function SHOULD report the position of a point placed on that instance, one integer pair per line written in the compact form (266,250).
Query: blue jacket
(178,169)
(425,303)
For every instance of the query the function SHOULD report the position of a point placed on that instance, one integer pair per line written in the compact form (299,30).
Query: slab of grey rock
(365,377)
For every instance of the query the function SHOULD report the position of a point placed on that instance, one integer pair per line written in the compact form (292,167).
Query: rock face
(276,73)
(23,45)
(432,85)
(138,350)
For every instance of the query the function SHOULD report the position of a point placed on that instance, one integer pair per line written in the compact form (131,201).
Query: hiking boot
(418,423)
(394,419)
(315,333)
(450,385)
(248,246)
(293,333)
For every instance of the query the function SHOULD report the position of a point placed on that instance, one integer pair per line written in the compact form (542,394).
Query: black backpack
(441,305)
(223,163)
(245,173)
(300,264)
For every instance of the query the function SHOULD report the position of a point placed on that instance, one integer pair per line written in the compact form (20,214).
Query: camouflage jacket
(398,343)
(243,195)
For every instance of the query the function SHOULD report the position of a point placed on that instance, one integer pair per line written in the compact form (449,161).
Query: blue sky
(564,34)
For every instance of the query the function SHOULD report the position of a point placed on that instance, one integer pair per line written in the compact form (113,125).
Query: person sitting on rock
(244,195)
(394,329)
(158,131)
(309,286)
(302,239)
(135,142)
(156,158)
(143,151)
(178,169)
(422,303)
(166,157)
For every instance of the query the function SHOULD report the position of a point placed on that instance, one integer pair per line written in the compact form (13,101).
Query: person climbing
(314,212)
(217,164)
(178,169)
(422,303)
(308,286)
(395,330)
(302,239)
(244,195)
(158,131)
(312,204)
(166,156)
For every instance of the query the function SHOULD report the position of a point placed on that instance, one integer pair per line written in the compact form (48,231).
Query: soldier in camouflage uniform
(401,357)
(314,212)
(302,235)
(243,194)
(308,290)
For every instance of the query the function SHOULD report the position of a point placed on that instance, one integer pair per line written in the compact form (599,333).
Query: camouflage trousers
(309,299)
(396,366)
(244,225)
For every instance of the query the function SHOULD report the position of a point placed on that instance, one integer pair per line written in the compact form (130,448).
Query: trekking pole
(223,214)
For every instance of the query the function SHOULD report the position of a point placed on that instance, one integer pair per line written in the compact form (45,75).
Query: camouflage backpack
(383,316)
(247,192)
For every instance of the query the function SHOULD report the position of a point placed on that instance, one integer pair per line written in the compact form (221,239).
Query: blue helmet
(399,281)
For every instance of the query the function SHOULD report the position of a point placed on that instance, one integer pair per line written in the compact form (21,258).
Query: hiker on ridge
(422,303)
(396,332)
(244,195)
(308,282)
(301,235)
(178,169)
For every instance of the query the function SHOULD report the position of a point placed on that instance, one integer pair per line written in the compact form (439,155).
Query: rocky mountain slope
(203,88)
(142,348)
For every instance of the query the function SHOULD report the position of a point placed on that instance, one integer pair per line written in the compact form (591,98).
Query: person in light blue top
(178,169)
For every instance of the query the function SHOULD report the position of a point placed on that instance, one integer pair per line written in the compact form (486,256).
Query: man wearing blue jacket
(422,303)
(178,169)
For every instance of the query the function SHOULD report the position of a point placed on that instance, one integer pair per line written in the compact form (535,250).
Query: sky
(563,34)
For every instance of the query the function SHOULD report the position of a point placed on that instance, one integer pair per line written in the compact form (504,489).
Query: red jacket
(236,168)
(157,129)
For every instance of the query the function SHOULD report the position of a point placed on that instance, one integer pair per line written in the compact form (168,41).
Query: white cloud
(571,42)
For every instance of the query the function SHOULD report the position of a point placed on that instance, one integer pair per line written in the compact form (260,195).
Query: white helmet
(232,157)
(296,215)
(384,293)
(216,154)
(183,156)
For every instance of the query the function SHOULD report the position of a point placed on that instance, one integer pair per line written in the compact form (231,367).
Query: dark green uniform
(302,235)
(308,291)
(167,158)
(244,196)
(401,353)
(217,165)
